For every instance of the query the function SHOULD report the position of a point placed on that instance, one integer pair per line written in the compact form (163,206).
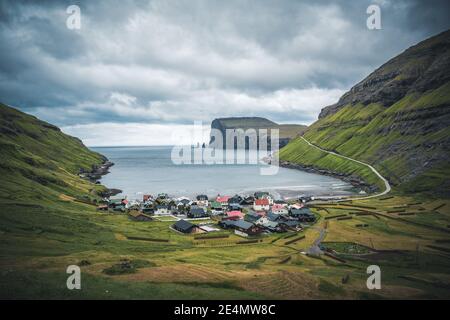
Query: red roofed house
(147,197)
(223,200)
(297,206)
(279,209)
(261,205)
(234,215)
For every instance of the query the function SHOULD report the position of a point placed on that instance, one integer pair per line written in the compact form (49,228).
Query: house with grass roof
(139,216)
(216,208)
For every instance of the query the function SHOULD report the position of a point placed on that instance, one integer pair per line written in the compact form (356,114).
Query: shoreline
(96,174)
(353,180)
(100,170)
(284,192)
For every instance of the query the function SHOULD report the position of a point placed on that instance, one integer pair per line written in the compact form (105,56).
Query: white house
(279,209)
(162,210)
(261,205)
(262,220)
(202,200)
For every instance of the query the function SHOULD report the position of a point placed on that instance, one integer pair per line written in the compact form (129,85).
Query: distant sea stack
(286,131)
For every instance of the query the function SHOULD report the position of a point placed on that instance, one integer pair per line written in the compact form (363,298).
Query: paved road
(386,183)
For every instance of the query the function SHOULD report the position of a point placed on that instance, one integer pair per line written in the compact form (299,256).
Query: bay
(150,170)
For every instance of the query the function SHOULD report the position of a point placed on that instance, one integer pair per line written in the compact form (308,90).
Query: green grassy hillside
(37,160)
(397,119)
(299,152)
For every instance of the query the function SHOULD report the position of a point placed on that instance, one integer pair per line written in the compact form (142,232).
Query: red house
(261,205)
(234,215)
(223,200)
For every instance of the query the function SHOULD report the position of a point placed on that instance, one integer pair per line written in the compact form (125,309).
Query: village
(246,216)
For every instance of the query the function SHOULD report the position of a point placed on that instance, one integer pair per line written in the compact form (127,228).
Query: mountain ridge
(388,83)
(397,119)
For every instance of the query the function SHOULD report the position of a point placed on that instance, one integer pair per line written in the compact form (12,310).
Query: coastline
(280,190)
(351,179)
(95,175)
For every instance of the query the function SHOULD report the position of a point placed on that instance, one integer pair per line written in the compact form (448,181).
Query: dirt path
(315,248)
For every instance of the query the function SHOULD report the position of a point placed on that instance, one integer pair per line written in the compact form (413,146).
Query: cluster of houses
(246,215)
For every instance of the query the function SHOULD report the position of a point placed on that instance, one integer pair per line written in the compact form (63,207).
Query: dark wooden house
(186,227)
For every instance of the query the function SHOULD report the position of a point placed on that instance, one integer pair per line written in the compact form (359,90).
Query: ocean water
(142,170)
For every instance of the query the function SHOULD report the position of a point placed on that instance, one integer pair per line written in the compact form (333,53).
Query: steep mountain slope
(397,119)
(38,161)
(286,131)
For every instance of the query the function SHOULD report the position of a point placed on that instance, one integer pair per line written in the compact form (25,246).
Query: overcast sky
(137,71)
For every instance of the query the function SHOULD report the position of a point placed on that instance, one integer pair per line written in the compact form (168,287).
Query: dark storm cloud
(178,61)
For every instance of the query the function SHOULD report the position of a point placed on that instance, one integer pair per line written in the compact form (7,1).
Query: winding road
(386,183)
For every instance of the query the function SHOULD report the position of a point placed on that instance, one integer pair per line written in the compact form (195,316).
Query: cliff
(286,131)
(397,119)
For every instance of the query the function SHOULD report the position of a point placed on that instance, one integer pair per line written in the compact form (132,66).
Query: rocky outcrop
(420,68)
(97,171)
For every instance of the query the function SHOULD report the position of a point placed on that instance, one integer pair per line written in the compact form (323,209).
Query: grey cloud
(185,60)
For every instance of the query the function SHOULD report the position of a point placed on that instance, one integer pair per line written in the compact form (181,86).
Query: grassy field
(37,244)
